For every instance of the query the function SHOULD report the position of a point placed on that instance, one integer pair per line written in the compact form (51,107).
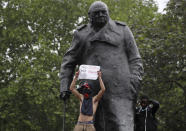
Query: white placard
(88,72)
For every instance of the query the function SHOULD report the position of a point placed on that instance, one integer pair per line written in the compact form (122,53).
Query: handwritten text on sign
(88,72)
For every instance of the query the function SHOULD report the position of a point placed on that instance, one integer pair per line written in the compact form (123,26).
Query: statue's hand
(64,95)
(134,80)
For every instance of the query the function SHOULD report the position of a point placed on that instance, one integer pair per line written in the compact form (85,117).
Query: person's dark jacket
(145,118)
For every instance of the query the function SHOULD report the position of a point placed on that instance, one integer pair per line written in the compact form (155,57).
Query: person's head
(144,101)
(98,14)
(86,90)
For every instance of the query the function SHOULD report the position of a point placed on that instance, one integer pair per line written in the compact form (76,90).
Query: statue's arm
(70,60)
(134,58)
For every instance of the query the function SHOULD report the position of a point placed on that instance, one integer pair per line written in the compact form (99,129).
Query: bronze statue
(111,45)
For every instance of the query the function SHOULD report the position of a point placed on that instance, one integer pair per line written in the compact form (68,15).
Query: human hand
(99,74)
(77,74)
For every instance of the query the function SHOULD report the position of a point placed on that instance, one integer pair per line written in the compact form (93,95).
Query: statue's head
(98,14)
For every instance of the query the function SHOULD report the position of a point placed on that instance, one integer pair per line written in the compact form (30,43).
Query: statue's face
(99,15)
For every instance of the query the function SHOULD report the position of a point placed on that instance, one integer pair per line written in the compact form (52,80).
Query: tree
(164,61)
(35,35)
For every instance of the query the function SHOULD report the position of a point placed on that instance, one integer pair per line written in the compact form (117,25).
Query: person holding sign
(88,103)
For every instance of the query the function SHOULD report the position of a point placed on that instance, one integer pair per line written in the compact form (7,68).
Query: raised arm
(101,92)
(155,106)
(73,88)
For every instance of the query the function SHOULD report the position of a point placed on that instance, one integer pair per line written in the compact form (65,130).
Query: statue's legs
(115,114)
(99,118)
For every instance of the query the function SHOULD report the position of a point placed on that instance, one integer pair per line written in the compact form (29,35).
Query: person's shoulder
(137,108)
(120,23)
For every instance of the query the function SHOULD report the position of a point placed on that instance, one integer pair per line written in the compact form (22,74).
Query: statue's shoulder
(120,23)
(81,27)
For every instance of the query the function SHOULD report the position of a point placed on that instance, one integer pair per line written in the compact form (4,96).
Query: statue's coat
(114,49)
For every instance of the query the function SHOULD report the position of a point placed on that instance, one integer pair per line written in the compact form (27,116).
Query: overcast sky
(161,5)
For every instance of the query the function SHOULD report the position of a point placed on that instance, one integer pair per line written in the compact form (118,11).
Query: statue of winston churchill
(109,44)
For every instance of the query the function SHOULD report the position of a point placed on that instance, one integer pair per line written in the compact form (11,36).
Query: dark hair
(144,97)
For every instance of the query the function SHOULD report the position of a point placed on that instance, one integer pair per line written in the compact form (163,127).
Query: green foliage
(36,33)
(163,51)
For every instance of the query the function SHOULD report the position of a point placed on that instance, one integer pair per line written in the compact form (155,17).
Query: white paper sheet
(88,72)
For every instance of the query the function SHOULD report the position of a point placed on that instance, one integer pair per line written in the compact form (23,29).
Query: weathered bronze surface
(111,45)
